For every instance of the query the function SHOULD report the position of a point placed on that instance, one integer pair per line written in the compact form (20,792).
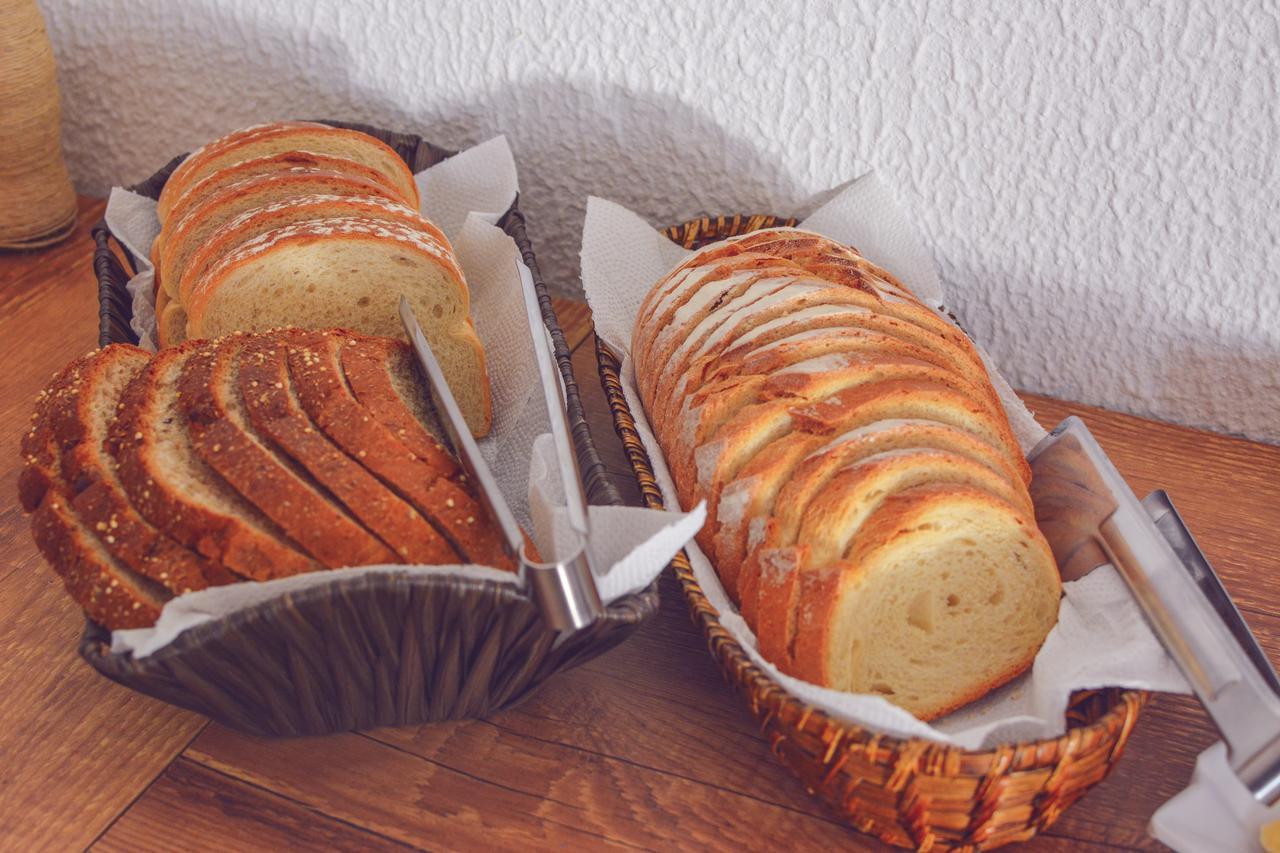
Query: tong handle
(1203,632)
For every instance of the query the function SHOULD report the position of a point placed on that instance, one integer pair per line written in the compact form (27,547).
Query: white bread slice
(349,272)
(177,181)
(181,238)
(761,508)
(826,380)
(819,255)
(194,259)
(947,594)
(349,144)
(721,333)
(286,161)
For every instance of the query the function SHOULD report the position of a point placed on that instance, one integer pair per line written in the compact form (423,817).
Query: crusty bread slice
(80,419)
(792,374)
(273,407)
(174,245)
(819,255)
(797,296)
(316,371)
(685,297)
(192,261)
(225,439)
(827,379)
(383,376)
(947,594)
(177,492)
(285,161)
(349,272)
(349,144)
(760,507)
(177,182)
(110,592)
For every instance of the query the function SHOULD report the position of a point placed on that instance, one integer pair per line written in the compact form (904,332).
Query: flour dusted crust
(289,136)
(183,237)
(257,220)
(858,470)
(306,274)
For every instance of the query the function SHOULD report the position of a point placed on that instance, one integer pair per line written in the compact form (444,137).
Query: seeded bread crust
(178,493)
(79,422)
(209,393)
(368,364)
(110,592)
(323,391)
(274,409)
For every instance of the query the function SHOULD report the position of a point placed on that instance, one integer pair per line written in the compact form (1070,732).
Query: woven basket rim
(632,608)
(1121,710)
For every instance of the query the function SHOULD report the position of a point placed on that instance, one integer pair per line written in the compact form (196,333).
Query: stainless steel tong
(564,590)
(1091,517)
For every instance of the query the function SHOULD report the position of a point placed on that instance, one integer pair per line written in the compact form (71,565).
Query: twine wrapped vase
(37,202)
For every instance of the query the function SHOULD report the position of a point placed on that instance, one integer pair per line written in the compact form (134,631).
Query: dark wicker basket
(911,793)
(372,650)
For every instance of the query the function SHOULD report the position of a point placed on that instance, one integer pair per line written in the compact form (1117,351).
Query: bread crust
(315,368)
(241,539)
(231,148)
(208,391)
(274,410)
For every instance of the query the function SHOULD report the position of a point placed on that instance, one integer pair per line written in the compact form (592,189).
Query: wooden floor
(643,747)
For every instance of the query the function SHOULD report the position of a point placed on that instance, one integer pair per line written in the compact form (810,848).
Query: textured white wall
(1099,183)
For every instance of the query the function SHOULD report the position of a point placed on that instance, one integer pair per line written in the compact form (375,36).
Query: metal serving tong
(1091,517)
(565,590)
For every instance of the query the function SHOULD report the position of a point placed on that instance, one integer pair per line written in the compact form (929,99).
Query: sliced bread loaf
(176,244)
(110,592)
(80,420)
(272,405)
(349,272)
(176,491)
(223,437)
(196,256)
(947,594)
(286,161)
(325,395)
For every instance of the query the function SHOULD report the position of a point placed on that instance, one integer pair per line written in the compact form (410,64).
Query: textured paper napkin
(1101,639)
(464,195)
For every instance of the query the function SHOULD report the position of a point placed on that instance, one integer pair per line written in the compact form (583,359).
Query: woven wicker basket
(910,793)
(373,650)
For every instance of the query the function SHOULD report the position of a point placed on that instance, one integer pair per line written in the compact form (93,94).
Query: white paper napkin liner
(1101,639)
(639,542)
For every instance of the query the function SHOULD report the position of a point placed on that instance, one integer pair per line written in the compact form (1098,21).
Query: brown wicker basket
(372,650)
(910,793)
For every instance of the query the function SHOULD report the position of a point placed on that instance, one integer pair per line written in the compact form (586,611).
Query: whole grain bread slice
(316,371)
(223,436)
(80,424)
(110,592)
(383,376)
(176,491)
(273,407)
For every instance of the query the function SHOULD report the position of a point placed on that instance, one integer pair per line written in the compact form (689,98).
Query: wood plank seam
(658,770)
(178,753)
